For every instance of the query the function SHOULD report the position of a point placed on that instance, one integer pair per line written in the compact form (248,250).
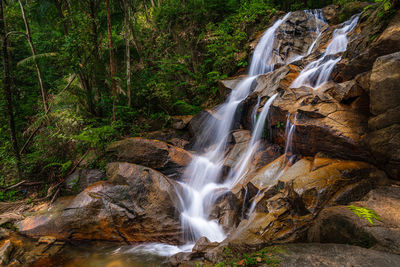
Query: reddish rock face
(291,196)
(155,154)
(136,205)
(323,124)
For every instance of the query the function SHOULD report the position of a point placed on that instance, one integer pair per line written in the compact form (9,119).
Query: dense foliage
(178,50)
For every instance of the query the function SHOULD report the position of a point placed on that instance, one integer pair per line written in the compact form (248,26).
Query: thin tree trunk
(7,86)
(112,70)
(29,37)
(128,54)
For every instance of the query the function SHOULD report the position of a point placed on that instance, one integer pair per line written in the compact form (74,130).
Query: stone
(168,159)
(180,122)
(333,255)
(47,240)
(370,40)
(331,14)
(322,123)
(135,205)
(80,179)
(291,195)
(203,244)
(385,79)
(340,225)
(231,83)
(6,248)
(178,142)
(390,117)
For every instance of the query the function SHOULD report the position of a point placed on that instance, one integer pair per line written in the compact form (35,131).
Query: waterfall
(204,172)
(202,181)
(240,170)
(318,72)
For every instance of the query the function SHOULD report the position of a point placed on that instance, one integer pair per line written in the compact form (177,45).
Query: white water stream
(202,179)
(318,72)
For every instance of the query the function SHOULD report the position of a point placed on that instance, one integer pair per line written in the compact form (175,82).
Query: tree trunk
(29,37)
(128,54)
(112,70)
(7,86)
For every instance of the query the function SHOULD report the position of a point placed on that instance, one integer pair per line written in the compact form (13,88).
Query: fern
(365,213)
(32,59)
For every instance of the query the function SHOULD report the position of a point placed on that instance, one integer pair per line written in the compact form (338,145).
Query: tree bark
(112,70)
(128,54)
(39,72)
(7,86)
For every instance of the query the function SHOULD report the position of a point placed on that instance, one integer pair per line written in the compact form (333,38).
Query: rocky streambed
(322,149)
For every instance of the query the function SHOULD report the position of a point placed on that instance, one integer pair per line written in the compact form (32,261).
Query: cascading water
(201,184)
(318,72)
(204,172)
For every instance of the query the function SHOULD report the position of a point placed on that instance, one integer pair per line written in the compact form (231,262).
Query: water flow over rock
(204,172)
(318,72)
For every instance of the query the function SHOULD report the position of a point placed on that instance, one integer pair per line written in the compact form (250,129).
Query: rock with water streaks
(135,205)
(291,195)
(332,119)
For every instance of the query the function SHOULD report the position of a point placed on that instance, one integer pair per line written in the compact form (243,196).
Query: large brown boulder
(291,196)
(168,159)
(332,119)
(340,225)
(384,138)
(136,205)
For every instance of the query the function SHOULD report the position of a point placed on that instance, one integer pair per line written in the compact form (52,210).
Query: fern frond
(32,59)
(362,212)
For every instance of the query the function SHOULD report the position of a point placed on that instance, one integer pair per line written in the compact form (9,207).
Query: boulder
(231,83)
(295,36)
(290,196)
(339,224)
(322,123)
(180,122)
(168,159)
(384,138)
(331,14)
(6,248)
(268,84)
(80,179)
(136,205)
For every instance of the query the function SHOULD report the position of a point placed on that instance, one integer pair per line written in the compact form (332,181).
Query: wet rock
(331,14)
(136,205)
(204,244)
(242,141)
(178,142)
(231,83)
(168,159)
(340,225)
(371,39)
(344,92)
(80,179)
(291,195)
(268,84)
(180,122)
(5,251)
(322,123)
(384,138)
(294,37)
(227,211)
